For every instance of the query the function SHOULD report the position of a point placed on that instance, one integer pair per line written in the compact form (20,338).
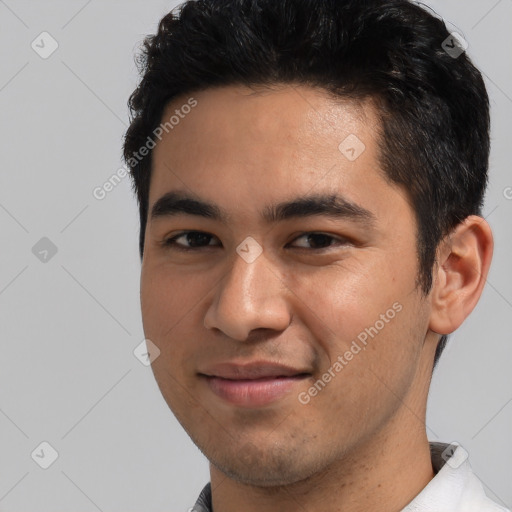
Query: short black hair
(431,102)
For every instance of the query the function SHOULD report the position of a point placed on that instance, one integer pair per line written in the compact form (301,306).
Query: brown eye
(189,240)
(319,241)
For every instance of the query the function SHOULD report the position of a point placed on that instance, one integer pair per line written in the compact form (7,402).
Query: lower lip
(255,392)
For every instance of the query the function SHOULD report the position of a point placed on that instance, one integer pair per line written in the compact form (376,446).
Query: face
(279,281)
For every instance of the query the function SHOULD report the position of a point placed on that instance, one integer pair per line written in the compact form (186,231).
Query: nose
(250,296)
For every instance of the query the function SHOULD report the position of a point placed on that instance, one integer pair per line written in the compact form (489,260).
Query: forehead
(242,145)
(275,116)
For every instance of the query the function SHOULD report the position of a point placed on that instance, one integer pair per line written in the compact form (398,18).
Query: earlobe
(463,261)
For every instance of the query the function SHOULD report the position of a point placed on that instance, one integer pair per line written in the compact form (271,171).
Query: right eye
(195,239)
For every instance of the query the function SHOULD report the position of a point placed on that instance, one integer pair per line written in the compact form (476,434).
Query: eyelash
(171,242)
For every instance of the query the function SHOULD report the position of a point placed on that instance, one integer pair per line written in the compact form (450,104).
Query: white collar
(454,488)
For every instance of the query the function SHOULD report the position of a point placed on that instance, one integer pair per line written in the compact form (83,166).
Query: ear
(463,261)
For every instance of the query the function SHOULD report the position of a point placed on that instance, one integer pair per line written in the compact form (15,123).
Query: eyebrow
(328,205)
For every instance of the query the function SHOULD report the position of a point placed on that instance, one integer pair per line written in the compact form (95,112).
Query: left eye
(318,240)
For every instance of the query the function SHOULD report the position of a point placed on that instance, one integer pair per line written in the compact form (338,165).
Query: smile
(253,392)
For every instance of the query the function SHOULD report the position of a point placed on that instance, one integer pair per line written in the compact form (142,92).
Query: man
(310,177)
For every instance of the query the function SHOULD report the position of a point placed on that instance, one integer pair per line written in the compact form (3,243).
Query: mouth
(252,385)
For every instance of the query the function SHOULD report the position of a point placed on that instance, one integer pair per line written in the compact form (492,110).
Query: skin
(361,443)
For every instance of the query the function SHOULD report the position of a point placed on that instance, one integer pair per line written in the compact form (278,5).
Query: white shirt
(454,488)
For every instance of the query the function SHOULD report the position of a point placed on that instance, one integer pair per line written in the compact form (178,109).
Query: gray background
(69,324)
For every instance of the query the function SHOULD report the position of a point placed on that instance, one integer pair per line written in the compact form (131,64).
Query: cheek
(168,297)
(369,364)
(361,324)
(340,301)
(173,309)
(170,304)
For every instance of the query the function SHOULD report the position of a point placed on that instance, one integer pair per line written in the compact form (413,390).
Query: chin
(257,476)
(265,467)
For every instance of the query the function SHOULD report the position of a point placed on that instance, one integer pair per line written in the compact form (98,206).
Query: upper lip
(252,370)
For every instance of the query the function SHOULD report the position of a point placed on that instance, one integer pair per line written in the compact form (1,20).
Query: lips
(252,384)
(249,371)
